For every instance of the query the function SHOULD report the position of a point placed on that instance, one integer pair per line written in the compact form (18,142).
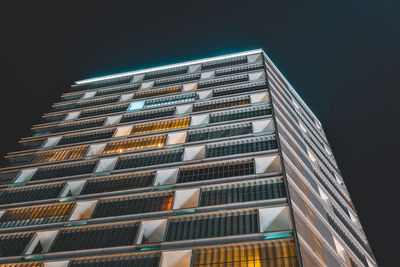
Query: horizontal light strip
(169,66)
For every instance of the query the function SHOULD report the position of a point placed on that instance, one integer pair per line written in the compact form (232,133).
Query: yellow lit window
(135,144)
(60,154)
(222,104)
(163,91)
(161,125)
(23,264)
(260,254)
(36,215)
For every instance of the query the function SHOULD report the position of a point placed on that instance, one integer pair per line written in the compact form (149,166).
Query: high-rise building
(214,162)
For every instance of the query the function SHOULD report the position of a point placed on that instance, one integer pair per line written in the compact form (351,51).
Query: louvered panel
(120,89)
(211,226)
(178,79)
(165,72)
(238,114)
(224,103)
(96,102)
(219,132)
(224,63)
(146,115)
(223,81)
(240,88)
(149,159)
(60,154)
(64,170)
(133,205)
(157,92)
(36,215)
(142,260)
(30,193)
(238,69)
(161,125)
(103,110)
(120,182)
(86,137)
(14,244)
(170,100)
(215,171)
(66,127)
(135,144)
(101,236)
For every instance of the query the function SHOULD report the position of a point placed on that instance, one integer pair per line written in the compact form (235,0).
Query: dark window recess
(120,182)
(165,72)
(52,118)
(149,159)
(31,193)
(63,107)
(36,215)
(223,81)
(31,144)
(215,171)
(71,97)
(224,63)
(238,69)
(224,103)
(116,90)
(146,115)
(242,193)
(240,114)
(142,260)
(110,82)
(80,87)
(86,137)
(104,110)
(178,79)
(66,127)
(354,232)
(133,205)
(102,236)
(220,132)
(64,170)
(14,245)
(97,102)
(209,226)
(240,88)
(250,145)
(348,240)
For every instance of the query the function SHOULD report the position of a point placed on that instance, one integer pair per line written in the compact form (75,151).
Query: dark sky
(343,57)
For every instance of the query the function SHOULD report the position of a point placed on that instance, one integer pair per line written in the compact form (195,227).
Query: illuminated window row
(157,92)
(170,100)
(223,103)
(161,126)
(60,154)
(135,144)
(36,215)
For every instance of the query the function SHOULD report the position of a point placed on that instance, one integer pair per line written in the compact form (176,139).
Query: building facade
(214,162)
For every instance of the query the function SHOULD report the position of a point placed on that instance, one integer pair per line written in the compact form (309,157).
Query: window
(161,125)
(249,145)
(97,102)
(103,110)
(178,79)
(110,82)
(146,115)
(265,254)
(116,90)
(120,182)
(60,154)
(233,193)
(142,260)
(224,63)
(240,88)
(156,92)
(135,144)
(219,132)
(64,170)
(242,113)
(86,137)
(148,159)
(165,72)
(100,236)
(36,215)
(237,69)
(223,103)
(14,244)
(222,81)
(212,225)
(170,100)
(30,193)
(66,127)
(211,171)
(133,205)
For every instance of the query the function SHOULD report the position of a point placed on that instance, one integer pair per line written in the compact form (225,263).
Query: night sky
(343,58)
